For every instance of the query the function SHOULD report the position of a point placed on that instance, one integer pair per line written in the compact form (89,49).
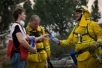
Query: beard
(78,18)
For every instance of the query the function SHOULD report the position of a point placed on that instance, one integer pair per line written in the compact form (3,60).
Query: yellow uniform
(38,60)
(84,28)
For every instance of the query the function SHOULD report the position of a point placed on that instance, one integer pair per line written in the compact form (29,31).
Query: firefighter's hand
(93,47)
(54,39)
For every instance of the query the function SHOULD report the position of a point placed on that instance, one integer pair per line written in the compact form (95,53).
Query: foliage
(6,8)
(56,14)
(96,15)
(29,10)
(84,2)
(57,50)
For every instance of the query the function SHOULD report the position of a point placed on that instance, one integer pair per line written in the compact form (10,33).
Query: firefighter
(37,60)
(87,37)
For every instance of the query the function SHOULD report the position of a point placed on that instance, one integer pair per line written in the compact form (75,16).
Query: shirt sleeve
(68,41)
(17,29)
(98,32)
(46,45)
(16,42)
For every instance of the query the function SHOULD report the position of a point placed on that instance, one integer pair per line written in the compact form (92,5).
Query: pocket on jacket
(38,57)
(33,57)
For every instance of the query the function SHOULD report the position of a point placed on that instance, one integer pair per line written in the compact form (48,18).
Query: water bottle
(54,39)
(32,41)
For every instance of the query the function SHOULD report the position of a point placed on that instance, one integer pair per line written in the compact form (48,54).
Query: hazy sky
(100,7)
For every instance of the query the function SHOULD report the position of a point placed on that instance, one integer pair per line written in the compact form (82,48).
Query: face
(78,14)
(34,24)
(22,16)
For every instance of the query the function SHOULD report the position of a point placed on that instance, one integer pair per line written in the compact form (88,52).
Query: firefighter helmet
(82,8)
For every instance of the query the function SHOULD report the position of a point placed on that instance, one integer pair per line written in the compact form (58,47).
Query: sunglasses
(78,11)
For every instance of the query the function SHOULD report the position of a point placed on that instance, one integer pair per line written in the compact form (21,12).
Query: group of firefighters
(86,36)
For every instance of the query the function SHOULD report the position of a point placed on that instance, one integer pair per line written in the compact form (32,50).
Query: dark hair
(16,12)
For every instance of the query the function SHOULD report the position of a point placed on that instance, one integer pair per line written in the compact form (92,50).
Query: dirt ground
(4,61)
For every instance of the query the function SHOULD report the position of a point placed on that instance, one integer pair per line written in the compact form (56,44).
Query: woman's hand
(46,36)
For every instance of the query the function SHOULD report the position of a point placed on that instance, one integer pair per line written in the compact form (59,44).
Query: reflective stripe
(47,48)
(86,42)
(99,40)
(64,41)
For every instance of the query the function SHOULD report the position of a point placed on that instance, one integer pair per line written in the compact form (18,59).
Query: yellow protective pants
(89,63)
(36,64)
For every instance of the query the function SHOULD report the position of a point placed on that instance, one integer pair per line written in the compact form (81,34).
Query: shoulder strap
(74,29)
(42,30)
(89,32)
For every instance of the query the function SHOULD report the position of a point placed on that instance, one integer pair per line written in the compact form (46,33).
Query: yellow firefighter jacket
(43,46)
(84,27)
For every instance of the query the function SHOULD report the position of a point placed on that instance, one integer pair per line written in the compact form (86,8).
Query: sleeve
(98,32)
(17,29)
(46,45)
(27,31)
(68,41)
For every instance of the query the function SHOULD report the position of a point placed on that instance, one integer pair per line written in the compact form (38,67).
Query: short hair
(34,17)
(16,12)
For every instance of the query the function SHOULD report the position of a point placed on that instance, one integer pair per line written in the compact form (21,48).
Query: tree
(6,8)
(96,15)
(84,2)
(56,14)
(29,10)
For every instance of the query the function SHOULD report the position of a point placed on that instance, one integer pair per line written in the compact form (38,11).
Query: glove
(93,47)
(73,55)
(54,39)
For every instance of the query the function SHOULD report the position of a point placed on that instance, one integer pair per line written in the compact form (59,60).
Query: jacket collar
(84,21)
(30,29)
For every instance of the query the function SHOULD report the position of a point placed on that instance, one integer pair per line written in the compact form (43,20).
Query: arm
(68,41)
(46,45)
(36,38)
(22,40)
(98,32)
(45,36)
